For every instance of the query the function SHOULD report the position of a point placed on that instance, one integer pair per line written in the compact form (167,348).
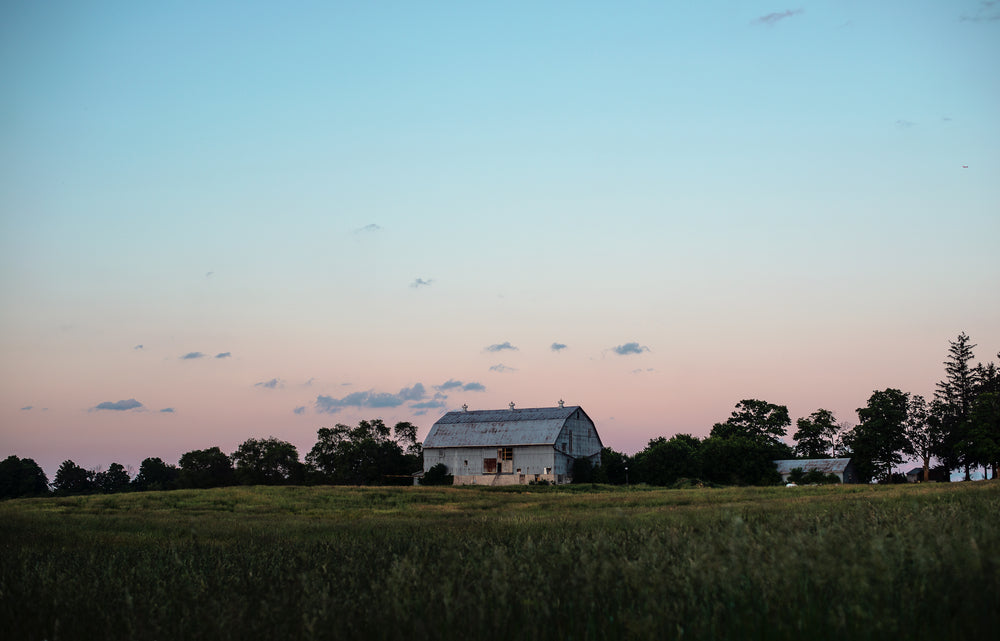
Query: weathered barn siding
(542,444)
(843,468)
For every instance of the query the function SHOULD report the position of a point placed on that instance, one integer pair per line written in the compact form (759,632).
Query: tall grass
(539,563)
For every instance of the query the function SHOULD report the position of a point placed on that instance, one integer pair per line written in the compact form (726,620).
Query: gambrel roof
(494,428)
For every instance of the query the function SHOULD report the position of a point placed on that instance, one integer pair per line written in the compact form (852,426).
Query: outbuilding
(512,446)
(842,468)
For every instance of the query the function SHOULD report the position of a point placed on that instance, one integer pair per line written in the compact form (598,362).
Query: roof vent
(561,402)
(465,407)
(512,406)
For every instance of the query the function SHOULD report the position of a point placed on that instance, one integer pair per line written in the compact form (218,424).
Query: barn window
(505,453)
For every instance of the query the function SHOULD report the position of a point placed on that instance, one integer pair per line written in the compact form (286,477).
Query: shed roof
(490,428)
(825,465)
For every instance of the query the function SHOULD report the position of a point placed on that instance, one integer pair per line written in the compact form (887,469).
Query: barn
(843,468)
(512,446)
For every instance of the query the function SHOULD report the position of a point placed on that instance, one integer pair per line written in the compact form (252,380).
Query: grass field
(842,562)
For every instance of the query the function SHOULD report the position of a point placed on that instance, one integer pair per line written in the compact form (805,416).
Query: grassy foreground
(849,562)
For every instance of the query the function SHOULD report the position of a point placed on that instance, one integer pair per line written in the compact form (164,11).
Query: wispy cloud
(192,355)
(499,347)
(988,11)
(209,274)
(137,347)
(167,410)
(558,347)
(643,371)
(500,367)
(369,228)
(629,348)
(772,19)
(905,124)
(301,409)
(452,384)
(428,405)
(274,383)
(119,406)
(420,282)
(27,407)
(330,405)
(224,355)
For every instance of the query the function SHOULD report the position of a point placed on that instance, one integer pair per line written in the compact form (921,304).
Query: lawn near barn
(572,562)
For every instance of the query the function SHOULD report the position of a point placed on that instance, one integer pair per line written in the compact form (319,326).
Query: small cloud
(772,19)
(224,355)
(420,412)
(274,383)
(369,228)
(905,124)
(630,348)
(309,382)
(420,282)
(499,347)
(500,367)
(301,409)
(642,371)
(27,407)
(558,347)
(209,274)
(474,387)
(167,410)
(137,347)
(119,406)
(428,405)
(449,384)
(192,355)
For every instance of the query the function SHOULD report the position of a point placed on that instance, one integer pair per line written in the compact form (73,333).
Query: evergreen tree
(955,395)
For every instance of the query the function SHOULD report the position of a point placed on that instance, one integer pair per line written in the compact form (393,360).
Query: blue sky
(796,202)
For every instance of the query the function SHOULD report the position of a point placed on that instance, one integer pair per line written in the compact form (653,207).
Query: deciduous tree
(154,474)
(114,479)
(205,468)
(815,434)
(73,479)
(879,440)
(267,462)
(21,477)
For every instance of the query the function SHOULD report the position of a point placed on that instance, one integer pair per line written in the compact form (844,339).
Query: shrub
(438,475)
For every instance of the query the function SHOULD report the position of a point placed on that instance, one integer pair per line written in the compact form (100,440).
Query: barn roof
(824,465)
(490,428)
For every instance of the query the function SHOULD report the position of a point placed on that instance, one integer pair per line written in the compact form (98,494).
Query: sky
(233,220)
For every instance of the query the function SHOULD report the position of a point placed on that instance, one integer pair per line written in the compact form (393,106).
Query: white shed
(512,446)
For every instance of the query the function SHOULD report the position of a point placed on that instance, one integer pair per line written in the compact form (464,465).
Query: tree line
(367,454)
(959,428)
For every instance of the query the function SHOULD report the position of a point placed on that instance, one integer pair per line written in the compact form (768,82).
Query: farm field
(575,562)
